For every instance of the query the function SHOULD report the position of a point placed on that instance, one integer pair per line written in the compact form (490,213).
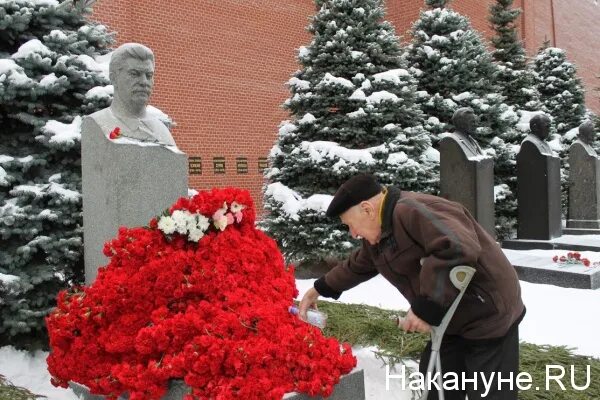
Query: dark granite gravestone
(538,185)
(466,173)
(350,387)
(536,269)
(584,182)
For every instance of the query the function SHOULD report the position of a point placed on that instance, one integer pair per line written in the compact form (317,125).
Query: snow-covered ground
(555,316)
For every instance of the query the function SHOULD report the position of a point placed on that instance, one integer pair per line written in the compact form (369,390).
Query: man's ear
(367,208)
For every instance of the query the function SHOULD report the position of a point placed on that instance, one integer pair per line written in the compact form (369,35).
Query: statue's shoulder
(100,117)
(102,120)
(531,138)
(160,130)
(579,145)
(450,137)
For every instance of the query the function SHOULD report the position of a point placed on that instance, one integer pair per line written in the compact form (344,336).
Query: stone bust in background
(465,124)
(131,72)
(540,130)
(586,137)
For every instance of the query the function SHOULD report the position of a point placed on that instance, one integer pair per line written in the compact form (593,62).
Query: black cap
(352,192)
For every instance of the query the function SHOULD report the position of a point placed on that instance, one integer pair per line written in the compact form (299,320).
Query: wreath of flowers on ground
(200,295)
(574,258)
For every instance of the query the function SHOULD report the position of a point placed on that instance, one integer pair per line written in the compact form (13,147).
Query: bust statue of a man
(586,137)
(465,124)
(131,72)
(540,130)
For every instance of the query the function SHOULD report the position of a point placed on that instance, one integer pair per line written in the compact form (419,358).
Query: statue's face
(467,122)
(470,122)
(586,132)
(541,128)
(134,81)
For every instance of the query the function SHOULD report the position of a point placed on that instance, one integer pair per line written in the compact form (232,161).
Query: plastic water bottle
(314,317)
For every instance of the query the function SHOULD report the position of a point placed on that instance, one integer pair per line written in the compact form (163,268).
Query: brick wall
(576,29)
(222,64)
(403,13)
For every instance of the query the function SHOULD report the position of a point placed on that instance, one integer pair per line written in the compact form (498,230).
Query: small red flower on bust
(115,133)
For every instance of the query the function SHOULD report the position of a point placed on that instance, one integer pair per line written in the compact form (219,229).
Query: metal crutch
(460,276)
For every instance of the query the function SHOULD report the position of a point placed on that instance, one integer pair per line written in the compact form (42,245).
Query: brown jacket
(423,237)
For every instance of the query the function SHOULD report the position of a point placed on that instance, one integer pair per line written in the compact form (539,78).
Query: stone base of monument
(537,269)
(350,387)
(583,224)
(580,231)
(581,242)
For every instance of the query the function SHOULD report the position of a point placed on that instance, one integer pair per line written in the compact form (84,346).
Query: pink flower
(238,216)
(220,213)
(230,219)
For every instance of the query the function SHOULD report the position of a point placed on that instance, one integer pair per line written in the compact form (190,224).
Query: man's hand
(309,300)
(412,323)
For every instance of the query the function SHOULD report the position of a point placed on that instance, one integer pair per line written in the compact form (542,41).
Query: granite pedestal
(350,387)
(584,188)
(468,181)
(565,242)
(538,194)
(124,183)
(538,269)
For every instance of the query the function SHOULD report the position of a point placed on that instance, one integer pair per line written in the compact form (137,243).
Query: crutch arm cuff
(325,290)
(427,310)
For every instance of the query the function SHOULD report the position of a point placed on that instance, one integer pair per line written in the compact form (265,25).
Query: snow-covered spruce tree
(562,95)
(515,78)
(49,77)
(353,109)
(457,71)
(561,90)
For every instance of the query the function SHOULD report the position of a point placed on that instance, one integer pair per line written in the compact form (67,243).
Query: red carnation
(555,258)
(214,313)
(577,255)
(115,133)
(585,262)
(563,259)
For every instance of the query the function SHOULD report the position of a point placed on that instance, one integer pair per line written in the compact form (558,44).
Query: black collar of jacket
(389,203)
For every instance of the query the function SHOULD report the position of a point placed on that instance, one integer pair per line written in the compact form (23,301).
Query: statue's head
(131,72)
(540,126)
(465,120)
(586,132)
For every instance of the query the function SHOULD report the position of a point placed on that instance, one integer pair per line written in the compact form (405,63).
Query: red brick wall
(403,13)
(222,64)
(576,30)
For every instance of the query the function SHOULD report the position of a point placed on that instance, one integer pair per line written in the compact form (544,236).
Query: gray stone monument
(129,179)
(584,181)
(538,185)
(466,173)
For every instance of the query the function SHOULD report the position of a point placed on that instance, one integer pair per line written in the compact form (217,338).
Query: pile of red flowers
(213,313)
(572,258)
